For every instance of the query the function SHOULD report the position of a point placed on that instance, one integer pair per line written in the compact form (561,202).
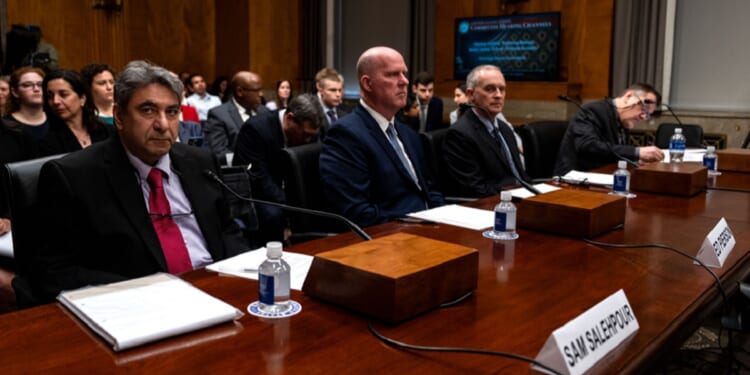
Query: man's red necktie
(170,237)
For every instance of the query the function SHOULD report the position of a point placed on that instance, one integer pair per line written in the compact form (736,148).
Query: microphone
(586,114)
(520,179)
(354,227)
(672,112)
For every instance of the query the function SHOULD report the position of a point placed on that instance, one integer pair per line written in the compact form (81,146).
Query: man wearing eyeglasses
(598,134)
(224,122)
(133,205)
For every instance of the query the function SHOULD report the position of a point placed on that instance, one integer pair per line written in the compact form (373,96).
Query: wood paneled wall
(213,37)
(219,37)
(586,34)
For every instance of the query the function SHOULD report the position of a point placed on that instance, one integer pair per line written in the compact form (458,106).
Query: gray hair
(306,107)
(138,74)
(473,77)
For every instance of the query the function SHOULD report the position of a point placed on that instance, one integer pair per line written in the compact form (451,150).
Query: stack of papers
(523,193)
(246,265)
(135,312)
(587,178)
(460,216)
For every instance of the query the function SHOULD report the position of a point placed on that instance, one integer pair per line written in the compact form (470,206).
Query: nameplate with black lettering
(717,245)
(582,342)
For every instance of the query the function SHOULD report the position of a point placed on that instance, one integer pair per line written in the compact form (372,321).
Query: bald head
(245,87)
(382,80)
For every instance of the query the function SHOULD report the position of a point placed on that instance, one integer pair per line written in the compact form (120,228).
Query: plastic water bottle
(505,219)
(711,161)
(621,184)
(273,281)
(677,146)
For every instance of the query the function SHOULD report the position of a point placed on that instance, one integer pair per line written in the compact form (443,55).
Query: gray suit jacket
(222,126)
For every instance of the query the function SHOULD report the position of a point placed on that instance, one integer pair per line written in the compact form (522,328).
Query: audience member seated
(4,95)
(201,100)
(372,168)
(100,80)
(330,86)
(219,88)
(459,97)
(73,122)
(282,97)
(134,204)
(430,107)
(224,122)
(260,142)
(480,150)
(16,144)
(27,101)
(409,115)
(598,134)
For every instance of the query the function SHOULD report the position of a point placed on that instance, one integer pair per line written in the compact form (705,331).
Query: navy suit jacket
(364,178)
(476,160)
(260,142)
(97,224)
(434,115)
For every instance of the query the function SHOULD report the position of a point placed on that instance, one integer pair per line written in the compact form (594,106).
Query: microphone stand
(354,227)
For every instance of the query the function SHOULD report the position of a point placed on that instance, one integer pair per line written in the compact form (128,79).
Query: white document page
(6,244)
(246,265)
(523,193)
(577,177)
(691,154)
(460,216)
(138,311)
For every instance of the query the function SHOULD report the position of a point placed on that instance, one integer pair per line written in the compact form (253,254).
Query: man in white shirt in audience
(201,99)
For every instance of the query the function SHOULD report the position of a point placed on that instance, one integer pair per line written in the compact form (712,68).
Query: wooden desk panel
(527,288)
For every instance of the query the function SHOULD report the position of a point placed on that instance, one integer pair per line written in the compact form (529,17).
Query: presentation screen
(524,46)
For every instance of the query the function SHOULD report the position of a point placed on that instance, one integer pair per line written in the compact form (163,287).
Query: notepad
(138,311)
(246,265)
(460,216)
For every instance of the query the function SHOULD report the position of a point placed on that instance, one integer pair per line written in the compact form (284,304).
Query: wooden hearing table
(527,289)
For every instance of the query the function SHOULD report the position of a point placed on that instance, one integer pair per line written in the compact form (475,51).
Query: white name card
(717,245)
(582,342)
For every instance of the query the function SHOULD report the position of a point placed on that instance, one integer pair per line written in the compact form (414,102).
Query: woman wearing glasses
(73,121)
(26,105)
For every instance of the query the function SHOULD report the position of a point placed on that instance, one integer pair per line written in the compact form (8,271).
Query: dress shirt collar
(282,112)
(143,169)
(325,107)
(244,113)
(380,119)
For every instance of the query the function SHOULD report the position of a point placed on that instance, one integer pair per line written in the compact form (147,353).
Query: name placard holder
(717,245)
(582,342)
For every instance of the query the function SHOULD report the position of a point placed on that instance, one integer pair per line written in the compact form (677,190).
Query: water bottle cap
(273,249)
(622,164)
(506,196)
(678,130)
(711,148)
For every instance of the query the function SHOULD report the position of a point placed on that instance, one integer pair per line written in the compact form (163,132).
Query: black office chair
(541,142)
(303,188)
(693,135)
(432,144)
(20,184)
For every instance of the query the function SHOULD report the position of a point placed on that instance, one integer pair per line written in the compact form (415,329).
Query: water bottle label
(710,163)
(620,184)
(265,289)
(501,221)
(677,144)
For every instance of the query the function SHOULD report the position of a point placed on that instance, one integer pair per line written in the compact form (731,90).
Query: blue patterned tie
(393,138)
(506,149)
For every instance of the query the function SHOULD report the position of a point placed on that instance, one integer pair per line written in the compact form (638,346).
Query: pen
(413,220)
(241,270)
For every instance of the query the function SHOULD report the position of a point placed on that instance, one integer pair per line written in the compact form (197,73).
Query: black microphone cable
(354,227)
(719,286)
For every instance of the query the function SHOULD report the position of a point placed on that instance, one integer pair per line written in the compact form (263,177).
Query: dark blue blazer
(364,178)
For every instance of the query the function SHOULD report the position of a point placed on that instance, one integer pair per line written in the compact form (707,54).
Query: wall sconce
(111,5)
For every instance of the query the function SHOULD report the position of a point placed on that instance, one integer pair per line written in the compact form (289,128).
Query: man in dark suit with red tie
(372,167)
(480,152)
(136,204)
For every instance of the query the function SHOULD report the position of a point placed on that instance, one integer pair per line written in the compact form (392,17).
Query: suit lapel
(125,188)
(385,144)
(234,115)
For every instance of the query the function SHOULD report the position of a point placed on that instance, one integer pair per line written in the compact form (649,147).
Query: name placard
(717,245)
(582,342)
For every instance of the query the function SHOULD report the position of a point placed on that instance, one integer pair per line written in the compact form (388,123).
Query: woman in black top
(73,122)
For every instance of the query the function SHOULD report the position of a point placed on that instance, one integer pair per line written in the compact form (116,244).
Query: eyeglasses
(645,105)
(29,85)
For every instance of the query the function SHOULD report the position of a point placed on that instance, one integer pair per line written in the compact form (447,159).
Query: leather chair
(432,144)
(303,188)
(20,184)
(693,135)
(541,142)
